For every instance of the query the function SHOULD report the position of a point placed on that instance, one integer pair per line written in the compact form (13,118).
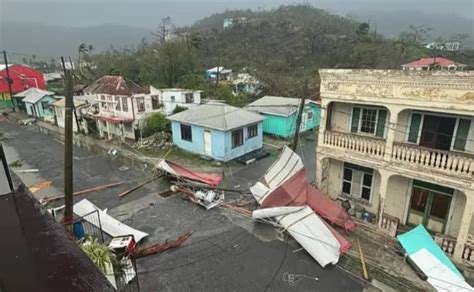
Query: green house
(281,112)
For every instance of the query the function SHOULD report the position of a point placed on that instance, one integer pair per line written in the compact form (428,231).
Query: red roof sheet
(295,191)
(211,179)
(423,62)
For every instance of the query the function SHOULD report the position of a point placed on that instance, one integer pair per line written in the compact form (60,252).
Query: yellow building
(401,145)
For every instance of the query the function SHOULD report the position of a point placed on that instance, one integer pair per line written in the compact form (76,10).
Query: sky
(147,13)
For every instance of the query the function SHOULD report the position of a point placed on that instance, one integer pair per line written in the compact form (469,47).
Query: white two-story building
(122,105)
(401,144)
(171,98)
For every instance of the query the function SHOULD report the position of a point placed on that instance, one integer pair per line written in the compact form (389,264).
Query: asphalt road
(227,252)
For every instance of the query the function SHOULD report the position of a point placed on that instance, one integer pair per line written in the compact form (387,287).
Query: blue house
(281,113)
(38,102)
(217,130)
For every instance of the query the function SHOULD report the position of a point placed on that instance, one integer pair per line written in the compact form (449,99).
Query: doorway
(429,206)
(207,142)
(437,132)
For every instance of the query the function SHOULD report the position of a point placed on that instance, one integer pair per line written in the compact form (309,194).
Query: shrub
(156,122)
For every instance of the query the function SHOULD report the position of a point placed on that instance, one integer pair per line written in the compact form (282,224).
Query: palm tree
(82,50)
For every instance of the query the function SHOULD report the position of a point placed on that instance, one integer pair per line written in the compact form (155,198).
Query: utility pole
(300,114)
(68,188)
(9,80)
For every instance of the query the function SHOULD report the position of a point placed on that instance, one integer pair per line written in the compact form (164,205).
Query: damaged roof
(114,85)
(217,116)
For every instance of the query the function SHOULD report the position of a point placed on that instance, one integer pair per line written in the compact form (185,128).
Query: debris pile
(160,140)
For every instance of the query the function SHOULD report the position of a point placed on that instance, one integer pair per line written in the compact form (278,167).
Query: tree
(165,30)
(179,109)
(81,50)
(156,122)
(416,34)
(363,29)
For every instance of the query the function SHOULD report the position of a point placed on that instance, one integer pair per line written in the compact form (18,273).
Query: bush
(156,122)
(179,109)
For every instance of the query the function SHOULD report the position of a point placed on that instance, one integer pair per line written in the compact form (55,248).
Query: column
(384,177)
(465,224)
(323,120)
(322,129)
(101,129)
(391,130)
(109,134)
(320,160)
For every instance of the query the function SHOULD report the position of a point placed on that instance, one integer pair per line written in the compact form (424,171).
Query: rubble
(159,140)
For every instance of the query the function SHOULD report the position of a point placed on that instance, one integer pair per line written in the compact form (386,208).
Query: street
(225,252)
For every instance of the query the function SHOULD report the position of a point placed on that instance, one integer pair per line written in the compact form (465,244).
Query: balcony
(452,163)
(355,143)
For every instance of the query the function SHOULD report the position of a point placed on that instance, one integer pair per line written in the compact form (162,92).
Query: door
(437,132)
(207,143)
(429,208)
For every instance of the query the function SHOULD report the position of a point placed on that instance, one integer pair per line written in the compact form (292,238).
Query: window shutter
(355,119)
(414,128)
(461,134)
(381,123)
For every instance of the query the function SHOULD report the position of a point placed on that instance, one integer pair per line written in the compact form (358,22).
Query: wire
(279,267)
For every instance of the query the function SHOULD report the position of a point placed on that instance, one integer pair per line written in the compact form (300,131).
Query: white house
(80,103)
(401,144)
(122,105)
(170,98)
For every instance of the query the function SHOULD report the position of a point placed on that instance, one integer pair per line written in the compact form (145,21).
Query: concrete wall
(455,214)
(334,186)
(60,115)
(398,193)
(341,117)
(221,142)
(165,97)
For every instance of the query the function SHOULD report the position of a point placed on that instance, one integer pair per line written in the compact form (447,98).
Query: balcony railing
(355,143)
(433,159)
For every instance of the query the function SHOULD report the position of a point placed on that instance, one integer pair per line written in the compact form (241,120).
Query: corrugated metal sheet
(217,116)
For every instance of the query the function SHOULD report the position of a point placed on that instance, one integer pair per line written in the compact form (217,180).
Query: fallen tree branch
(137,187)
(47,200)
(160,247)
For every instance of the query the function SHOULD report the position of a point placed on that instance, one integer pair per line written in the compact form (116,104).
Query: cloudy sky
(146,13)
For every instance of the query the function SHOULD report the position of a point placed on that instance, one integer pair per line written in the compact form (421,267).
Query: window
(237,137)
(117,104)
(155,102)
(310,115)
(173,98)
(186,133)
(357,181)
(189,97)
(438,131)
(368,120)
(45,105)
(140,104)
(252,131)
(110,105)
(125,104)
